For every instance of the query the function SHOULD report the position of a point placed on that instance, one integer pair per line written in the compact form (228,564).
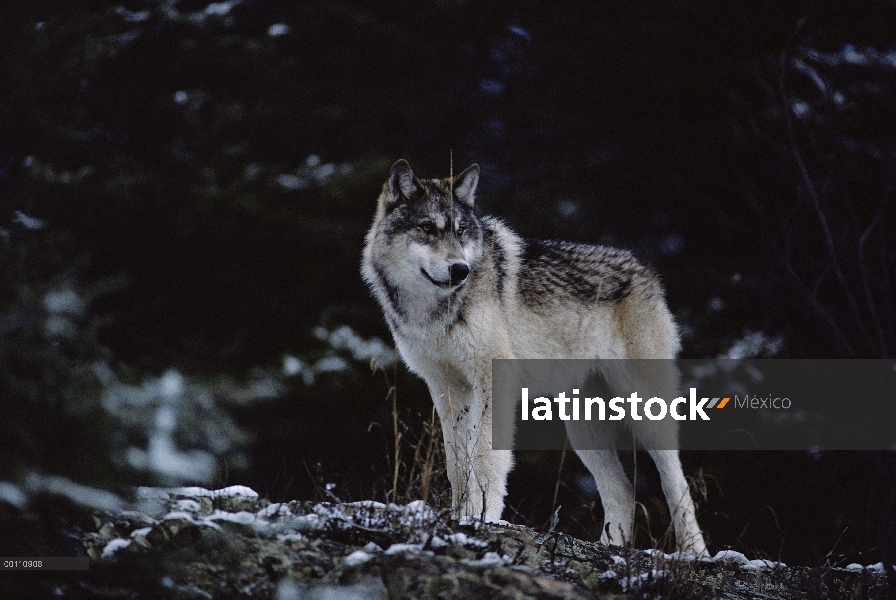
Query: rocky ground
(197,543)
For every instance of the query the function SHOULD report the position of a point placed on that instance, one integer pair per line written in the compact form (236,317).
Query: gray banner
(53,563)
(719,404)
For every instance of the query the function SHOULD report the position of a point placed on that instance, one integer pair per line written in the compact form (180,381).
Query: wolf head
(426,238)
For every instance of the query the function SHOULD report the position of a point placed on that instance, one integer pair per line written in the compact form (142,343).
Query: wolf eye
(426,227)
(460,230)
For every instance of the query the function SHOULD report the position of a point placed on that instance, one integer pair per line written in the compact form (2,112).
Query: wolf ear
(465,185)
(401,184)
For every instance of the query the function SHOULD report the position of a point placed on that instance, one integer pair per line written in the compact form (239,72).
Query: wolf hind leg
(616,494)
(595,443)
(659,378)
(688,536)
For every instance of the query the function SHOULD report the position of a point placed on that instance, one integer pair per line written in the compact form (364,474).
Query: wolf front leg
(451,407)
(478,473)
(488,486)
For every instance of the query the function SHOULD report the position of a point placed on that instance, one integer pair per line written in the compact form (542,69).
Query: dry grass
(417,458)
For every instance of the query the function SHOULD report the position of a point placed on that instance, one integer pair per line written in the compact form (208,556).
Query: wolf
(459,289)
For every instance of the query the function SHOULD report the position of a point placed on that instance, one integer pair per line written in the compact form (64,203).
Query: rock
(230,543)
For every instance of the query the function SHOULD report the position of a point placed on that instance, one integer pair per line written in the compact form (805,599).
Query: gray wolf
(459,289)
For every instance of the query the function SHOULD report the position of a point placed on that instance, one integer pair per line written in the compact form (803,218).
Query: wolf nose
(458,272)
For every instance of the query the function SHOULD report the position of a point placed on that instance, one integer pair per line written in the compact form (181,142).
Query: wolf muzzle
(458,273)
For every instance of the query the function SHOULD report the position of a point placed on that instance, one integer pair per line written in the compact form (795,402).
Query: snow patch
(753,344)
(330,364)
(634,581)
(162,493)
(489,558)
(278,29)
(77,493)
(114,546)
(220,8)
(242,518)
(28,222)
(758,564)
(313,171)
(132,17)
(404,548)
(235,490)
(462,539)
(12,494)
(274,510)
(684,557)
(358,557)
(730,556)
(188,504)
(291,182)
(292,366)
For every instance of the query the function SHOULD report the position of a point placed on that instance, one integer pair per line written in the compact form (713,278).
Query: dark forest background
(185,187)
